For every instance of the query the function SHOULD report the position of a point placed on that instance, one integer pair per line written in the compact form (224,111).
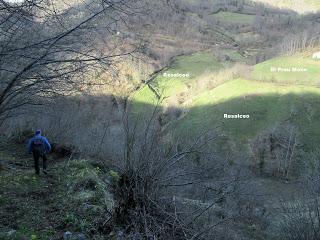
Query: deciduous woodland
(159,119)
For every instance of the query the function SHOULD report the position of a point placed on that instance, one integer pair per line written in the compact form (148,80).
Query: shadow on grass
(265,111)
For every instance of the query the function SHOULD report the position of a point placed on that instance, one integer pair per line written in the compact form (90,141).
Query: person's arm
(48,146)
(30,145)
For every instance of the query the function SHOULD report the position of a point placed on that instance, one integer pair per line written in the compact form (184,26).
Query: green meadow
(234,18)
(277,70)
(266,103)
(194,65)
(270,98)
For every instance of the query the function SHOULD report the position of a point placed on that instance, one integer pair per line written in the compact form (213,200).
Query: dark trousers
(36,157)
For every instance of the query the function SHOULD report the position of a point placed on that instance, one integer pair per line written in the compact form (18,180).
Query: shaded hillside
(72,197)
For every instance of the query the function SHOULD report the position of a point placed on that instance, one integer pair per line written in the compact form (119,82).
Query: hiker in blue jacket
(39,146)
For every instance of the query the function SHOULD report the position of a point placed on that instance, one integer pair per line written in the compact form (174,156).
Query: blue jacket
(43,139)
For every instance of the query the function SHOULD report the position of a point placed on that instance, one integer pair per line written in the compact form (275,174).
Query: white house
(316,55)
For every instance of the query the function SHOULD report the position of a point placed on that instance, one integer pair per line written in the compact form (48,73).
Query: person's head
(38,132)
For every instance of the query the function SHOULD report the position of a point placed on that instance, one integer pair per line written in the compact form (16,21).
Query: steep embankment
(72,197)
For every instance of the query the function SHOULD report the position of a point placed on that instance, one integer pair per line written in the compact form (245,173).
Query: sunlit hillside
(299,6)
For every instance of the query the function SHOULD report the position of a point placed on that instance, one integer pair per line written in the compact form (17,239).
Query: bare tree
(275,151)
(300,216)
(167,191)
(46,51)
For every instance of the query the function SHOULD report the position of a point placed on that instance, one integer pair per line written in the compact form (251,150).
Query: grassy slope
(71,198)
(269,98)
(195,65)
(266,103)
(274,98)
(300,6)
(263,71)
(234,18)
